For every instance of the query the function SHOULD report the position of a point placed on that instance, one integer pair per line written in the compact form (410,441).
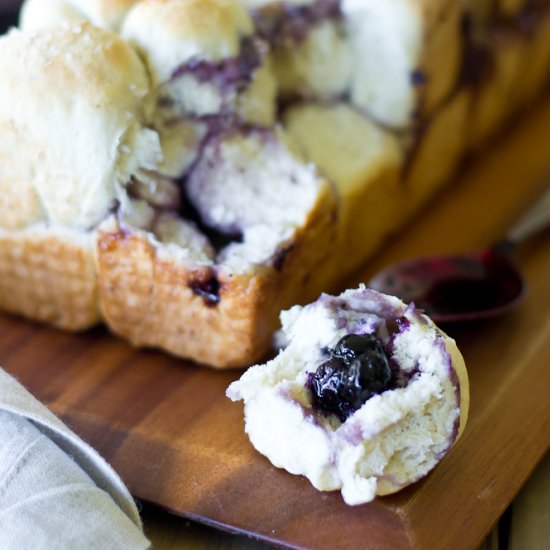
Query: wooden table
(525,526)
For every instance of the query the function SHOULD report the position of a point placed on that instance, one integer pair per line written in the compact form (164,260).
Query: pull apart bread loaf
(367,395)
(94,228)
(200,165)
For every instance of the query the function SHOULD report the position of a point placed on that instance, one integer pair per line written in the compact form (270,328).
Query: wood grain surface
(168,429)
(524,526)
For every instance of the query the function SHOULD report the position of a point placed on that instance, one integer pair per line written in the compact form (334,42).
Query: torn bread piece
(208,70)
(367,396)
(407,56)
(310,50)
(107,14)
(156,259)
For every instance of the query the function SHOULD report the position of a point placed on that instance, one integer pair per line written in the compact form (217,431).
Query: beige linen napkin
(56,492)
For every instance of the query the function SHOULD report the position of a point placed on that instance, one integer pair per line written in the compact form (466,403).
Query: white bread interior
(252,185)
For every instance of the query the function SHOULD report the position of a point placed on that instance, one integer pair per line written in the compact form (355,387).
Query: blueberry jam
(230,75)
(8,19)
(207,288)
(358,368)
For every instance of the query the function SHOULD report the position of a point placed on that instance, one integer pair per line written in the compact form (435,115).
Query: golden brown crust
(153,301)
(364,162)
(495,100)
(459,367)
(443,52)
(169,33)
(49,276)
(387,486)
(109,14)
(439,148)
(195,20)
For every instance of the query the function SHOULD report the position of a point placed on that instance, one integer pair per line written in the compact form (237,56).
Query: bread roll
(507,59)
(203,58)
(310,51)
(407,56)
(367,396)
(71,120)
(107,14)
(207,69)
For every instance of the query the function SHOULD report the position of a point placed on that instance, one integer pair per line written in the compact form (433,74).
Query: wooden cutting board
(167,428)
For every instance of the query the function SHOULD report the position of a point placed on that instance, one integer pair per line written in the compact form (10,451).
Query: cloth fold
(56,492)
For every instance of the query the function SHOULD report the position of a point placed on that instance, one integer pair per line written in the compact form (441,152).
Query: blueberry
(330,390)
(353,345)
(358,369)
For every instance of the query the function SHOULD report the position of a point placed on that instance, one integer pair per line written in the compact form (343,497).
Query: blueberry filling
(218,239)
(229,75)
(478,62)
(282,24)
(418,78)
(479,58)
(8,19)
(358,368)
(207,288)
